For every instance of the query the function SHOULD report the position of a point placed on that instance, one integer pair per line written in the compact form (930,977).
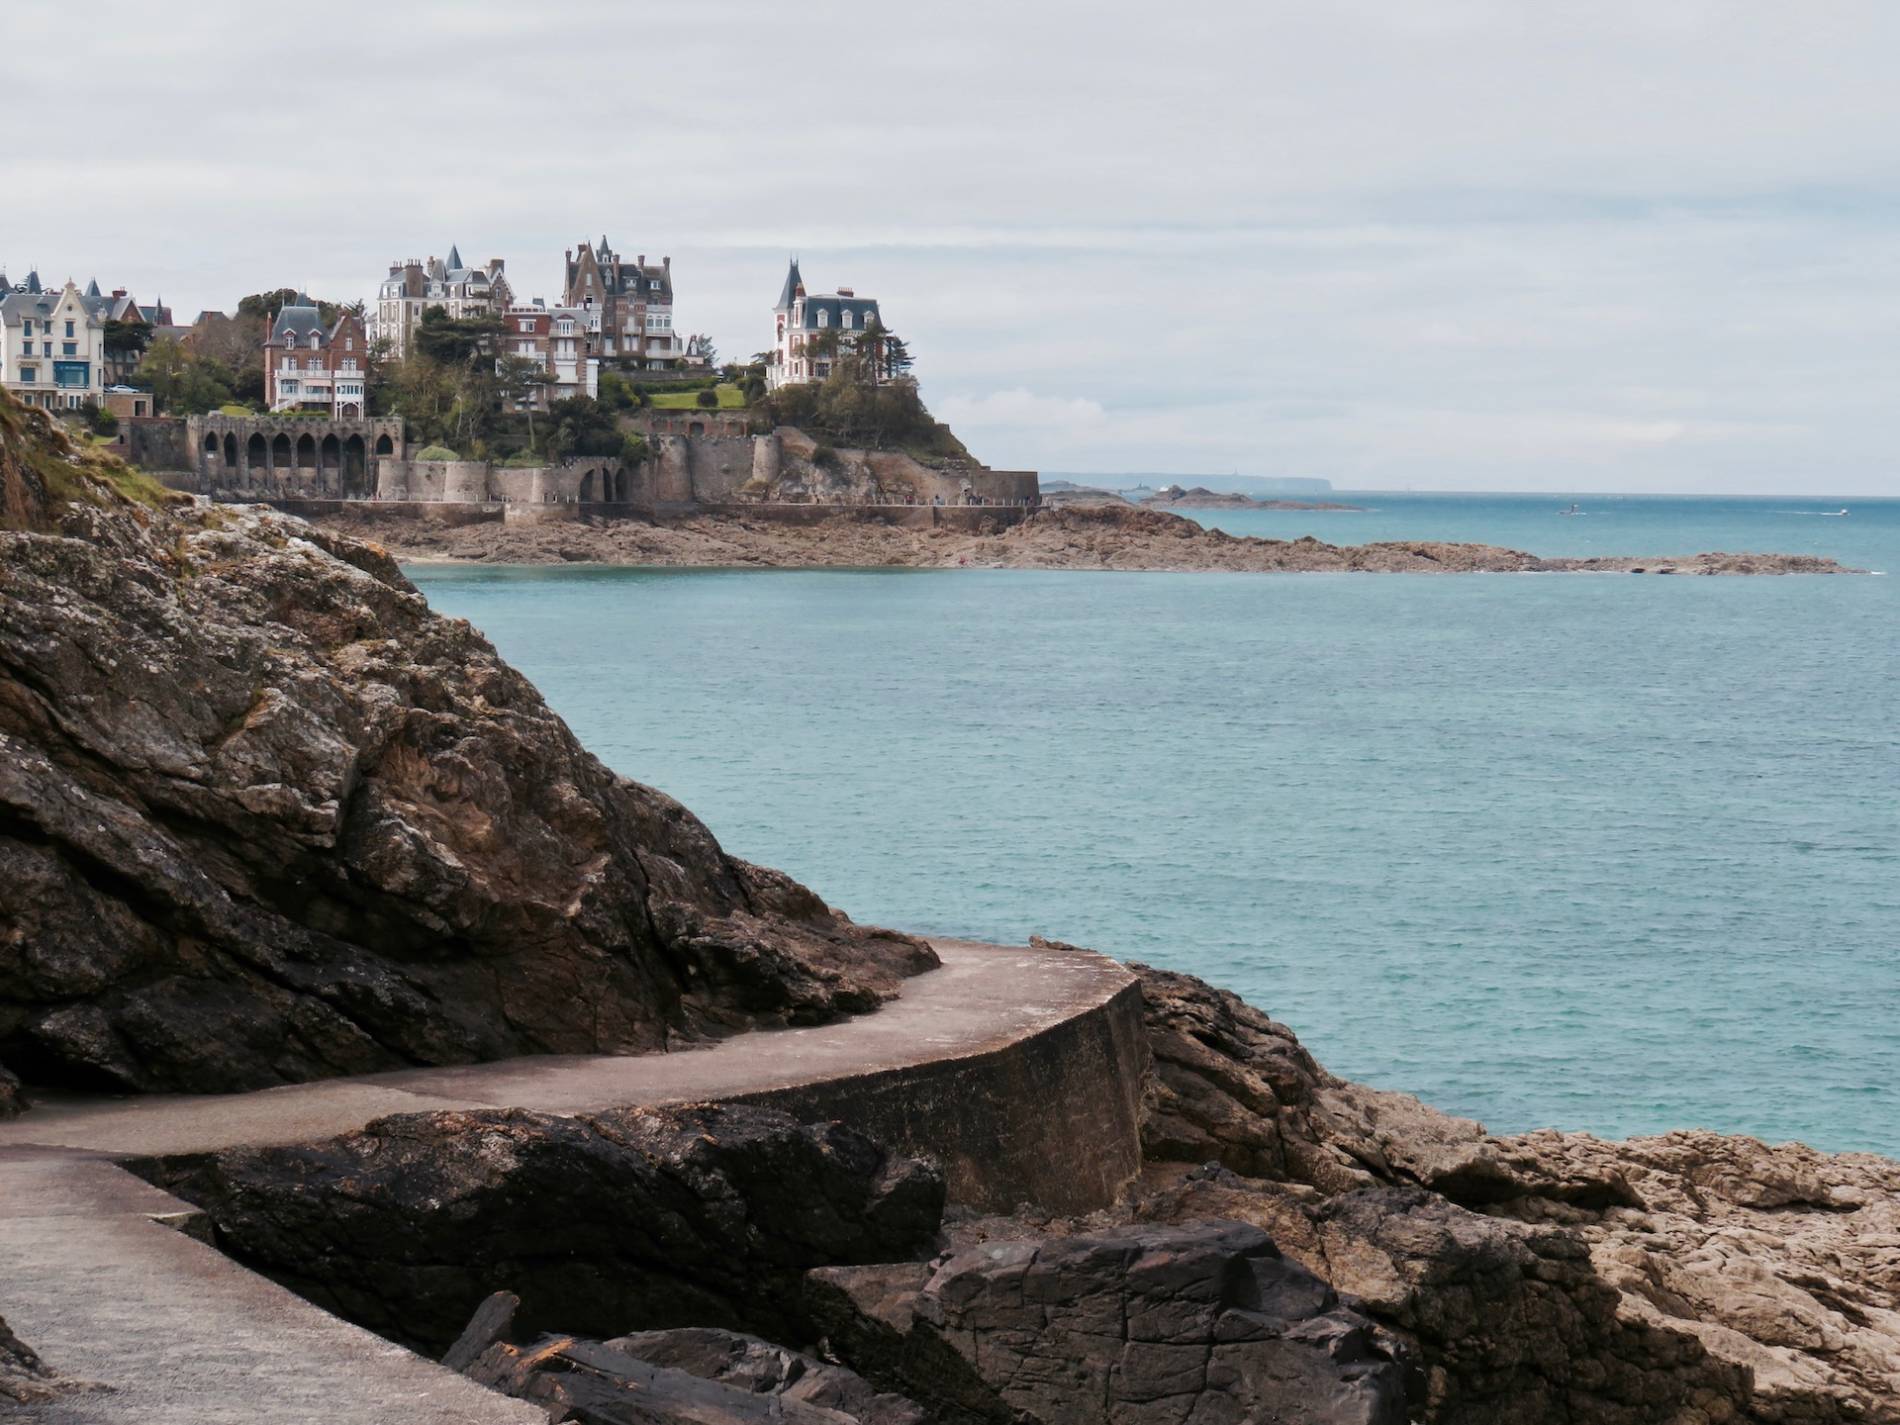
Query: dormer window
(824,317)
(845,320)
(315,341)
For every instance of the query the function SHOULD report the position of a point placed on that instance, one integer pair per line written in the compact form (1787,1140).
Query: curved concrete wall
(1053,1119)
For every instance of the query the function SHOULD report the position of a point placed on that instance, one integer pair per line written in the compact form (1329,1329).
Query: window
(349,343)
(845,320)
(46,348)
(349,364)
(29,374)
(824,318)
(26,327)
(315,341)
(69,328)
(526,324)
(69,348)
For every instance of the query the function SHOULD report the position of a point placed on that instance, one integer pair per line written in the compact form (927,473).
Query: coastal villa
(414,286)
(562,341)
(311,367)
(52,345)
(799,318)
(629,305)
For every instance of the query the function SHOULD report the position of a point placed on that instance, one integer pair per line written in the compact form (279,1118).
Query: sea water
(1600,852)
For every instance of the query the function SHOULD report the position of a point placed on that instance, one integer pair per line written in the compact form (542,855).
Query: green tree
(582,426)
(124,340)
(522,379)
(708,399)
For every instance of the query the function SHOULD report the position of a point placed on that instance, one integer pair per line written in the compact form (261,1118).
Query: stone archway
(306,451)
(620,487)
(587,488)
(211,449)
(330,461)
(385,446)
(350,412)
(280,455)
(256,457)
(230,451)
(355,467)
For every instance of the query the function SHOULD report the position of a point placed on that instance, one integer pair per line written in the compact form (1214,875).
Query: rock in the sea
(600,1223)
(1134,1325)
(264,817)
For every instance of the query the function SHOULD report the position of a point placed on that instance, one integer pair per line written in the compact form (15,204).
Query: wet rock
(264,817)
(13,1099)
(599,1223)
(761,1368)
(1133,1324)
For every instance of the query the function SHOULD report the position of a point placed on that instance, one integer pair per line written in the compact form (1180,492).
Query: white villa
(52,346)
(413,286)
(799,316)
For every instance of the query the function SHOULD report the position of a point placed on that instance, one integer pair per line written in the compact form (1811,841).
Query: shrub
(436,452)
(824,456)
(708,398)
(633,450)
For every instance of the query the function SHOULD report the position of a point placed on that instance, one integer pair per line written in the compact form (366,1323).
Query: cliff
(264,817)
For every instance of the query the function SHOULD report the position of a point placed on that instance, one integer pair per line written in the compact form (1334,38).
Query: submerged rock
(264,817)
(600,1223)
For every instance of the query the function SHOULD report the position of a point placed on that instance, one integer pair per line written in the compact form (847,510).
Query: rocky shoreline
(1202,498)
(266,818)
(1089,537)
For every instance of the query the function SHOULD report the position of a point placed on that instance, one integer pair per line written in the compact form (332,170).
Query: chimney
(667,263)
(641,260)
(495,264)
(845,292)
(118,291)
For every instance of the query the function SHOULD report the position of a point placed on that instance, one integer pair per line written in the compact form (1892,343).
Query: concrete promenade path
(98,1277)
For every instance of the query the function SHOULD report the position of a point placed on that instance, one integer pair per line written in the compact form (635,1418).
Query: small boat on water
(1573,510)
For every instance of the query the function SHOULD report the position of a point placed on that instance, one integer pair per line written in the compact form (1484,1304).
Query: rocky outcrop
(1199,497)
(27,1380)
(1067,534)
(264,817)
(1132,1325)
(702,1374)
(1692,1277)
(601,1224)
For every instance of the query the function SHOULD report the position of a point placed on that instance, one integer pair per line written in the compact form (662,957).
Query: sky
(1632,245)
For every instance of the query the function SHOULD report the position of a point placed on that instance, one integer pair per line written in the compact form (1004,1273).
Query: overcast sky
(1645,245)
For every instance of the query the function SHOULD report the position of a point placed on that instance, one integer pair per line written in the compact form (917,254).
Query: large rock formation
(1128,1326)
(1661,1281)
(601,1223)
(264,817)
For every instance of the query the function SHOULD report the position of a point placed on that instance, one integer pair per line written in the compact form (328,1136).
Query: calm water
(1609,853)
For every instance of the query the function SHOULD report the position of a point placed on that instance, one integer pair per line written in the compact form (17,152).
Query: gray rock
(1133,1325)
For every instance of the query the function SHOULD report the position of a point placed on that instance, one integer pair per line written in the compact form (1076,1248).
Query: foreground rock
(1109,534)
(1548,1276)
(264,817)
(27,1380)
(1133,1325)
(599,1224)
(702,1374)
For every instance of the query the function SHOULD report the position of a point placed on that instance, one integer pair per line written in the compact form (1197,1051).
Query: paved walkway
(95,1275)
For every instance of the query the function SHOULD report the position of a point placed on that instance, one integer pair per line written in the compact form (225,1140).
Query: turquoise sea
(1612,853)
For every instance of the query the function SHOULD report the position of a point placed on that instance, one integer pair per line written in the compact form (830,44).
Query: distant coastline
(1115,536)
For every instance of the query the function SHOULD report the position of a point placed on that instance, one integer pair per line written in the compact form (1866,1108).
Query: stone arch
(620,487)
(330,455)
(384,445)
(280,456)
(211,446)
(257,452)
(230,450)
(587,488)
(350,412)
(355,467)
(696,428)
(306,451)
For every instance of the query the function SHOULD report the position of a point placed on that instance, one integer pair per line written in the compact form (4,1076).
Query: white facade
(52,348)
(413,286)
(799,318)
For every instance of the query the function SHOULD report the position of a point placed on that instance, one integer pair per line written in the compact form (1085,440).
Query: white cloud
(1575,243)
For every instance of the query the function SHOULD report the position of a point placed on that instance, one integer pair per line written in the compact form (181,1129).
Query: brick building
(311,367)
(629,304)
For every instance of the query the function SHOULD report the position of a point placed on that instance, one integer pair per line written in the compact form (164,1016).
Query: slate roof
(836,307)
(298,319)
(789,291)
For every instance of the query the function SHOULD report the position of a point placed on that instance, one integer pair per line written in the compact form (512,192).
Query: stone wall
(263,457)
(1053,1119)
(157,443)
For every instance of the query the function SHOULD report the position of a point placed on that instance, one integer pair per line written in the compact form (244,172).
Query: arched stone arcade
(277,455)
